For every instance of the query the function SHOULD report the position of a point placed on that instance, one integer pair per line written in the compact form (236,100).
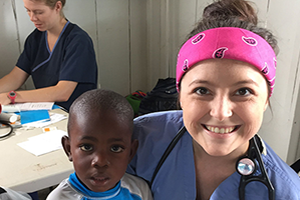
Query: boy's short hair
(99,101)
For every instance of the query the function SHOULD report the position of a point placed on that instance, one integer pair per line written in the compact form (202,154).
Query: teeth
(217,130)
(220,130)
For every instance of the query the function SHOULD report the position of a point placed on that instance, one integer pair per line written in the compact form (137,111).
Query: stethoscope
(3,125)
(246,166)
(8,133)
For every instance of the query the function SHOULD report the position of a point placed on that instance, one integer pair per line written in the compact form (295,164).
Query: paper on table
(27,106)
(44,143)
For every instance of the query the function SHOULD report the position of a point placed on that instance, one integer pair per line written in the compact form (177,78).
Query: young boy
(100,146)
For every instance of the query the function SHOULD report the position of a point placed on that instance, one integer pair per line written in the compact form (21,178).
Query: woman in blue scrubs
(59,56)
(225,77)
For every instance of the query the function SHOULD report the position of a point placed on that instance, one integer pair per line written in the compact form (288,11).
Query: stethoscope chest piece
(245,166)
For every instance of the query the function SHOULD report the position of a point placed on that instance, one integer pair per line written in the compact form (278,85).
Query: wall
(117,28)
(137,41)
(176,18)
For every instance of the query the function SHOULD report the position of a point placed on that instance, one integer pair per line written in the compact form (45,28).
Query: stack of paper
(27,106)
(44,143)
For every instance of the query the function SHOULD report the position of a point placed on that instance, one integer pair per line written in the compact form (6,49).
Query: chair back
(296,166)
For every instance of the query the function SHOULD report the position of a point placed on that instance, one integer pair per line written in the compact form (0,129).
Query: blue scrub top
(176,178)
(72,59)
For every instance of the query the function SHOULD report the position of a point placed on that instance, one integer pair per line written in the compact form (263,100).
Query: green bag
(135,100)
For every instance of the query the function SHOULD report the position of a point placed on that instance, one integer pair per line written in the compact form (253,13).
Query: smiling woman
(59,56)
(225,76)
(233,97)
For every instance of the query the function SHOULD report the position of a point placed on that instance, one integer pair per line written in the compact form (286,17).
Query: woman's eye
(243,92)
(86,147)
(116,149)
(37,12)
(202,91)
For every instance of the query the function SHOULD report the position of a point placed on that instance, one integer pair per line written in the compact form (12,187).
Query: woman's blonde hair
(52,3)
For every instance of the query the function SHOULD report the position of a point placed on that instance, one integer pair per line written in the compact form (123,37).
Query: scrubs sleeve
(25,60)
(154,132)
(79,62)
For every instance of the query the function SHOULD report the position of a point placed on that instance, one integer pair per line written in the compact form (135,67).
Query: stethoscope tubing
(252,153)
(9,132)
(167,152)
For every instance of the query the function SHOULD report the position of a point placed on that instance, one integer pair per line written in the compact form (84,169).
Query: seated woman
(225,77)
(59,56)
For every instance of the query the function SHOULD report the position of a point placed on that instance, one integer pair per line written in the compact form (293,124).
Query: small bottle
(4,117)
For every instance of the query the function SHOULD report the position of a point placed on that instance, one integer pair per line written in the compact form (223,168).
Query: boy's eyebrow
(115,140)
(110,140)
(88,138)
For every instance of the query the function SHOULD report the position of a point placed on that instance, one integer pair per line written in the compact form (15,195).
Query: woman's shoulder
(172,117)
(160,127)
(35,36)
(284,179)
(74,30)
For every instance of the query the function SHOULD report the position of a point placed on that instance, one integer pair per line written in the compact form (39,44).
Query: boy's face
(100,147)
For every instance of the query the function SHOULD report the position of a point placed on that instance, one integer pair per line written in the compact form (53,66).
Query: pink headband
(229,43)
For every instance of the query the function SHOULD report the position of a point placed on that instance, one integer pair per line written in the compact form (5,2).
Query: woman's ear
(58,6)
(134,147)
(266,105)
(179,103)
(65,140)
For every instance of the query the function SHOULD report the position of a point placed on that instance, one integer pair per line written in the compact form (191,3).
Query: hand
(4,100)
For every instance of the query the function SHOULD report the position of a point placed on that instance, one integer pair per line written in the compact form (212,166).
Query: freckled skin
(223,93)
(43,17)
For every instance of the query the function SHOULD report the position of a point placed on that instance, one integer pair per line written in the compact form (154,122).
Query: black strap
(296,166)
(9,132)
(2,190)
(167,152)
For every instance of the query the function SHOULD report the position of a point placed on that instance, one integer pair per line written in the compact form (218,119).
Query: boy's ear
(65,140)
(134,147)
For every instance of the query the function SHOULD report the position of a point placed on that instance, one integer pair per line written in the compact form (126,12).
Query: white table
(23,171)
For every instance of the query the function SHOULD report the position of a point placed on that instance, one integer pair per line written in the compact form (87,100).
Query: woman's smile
(223,102)
(221,130)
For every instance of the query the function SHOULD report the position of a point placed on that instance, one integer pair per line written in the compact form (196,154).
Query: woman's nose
(221,108)
(100,160)
(32,16)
